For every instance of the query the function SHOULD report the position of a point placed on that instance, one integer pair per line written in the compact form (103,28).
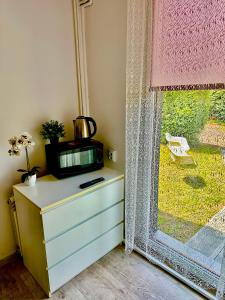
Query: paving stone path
(209,239)
(213,134)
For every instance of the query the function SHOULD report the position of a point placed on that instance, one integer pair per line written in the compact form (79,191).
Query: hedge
(217,111)
(185,113)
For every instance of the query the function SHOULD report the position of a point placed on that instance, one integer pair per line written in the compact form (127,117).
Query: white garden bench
(178,147)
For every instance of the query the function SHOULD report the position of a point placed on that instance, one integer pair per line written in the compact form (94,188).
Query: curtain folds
(141,114)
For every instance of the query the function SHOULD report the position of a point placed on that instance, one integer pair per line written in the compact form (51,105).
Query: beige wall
(36,84)
(106,58)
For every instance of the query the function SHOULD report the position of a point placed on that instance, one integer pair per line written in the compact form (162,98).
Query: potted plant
(24,141)
(52,130)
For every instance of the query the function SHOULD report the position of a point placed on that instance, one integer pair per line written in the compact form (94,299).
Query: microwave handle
(89,119)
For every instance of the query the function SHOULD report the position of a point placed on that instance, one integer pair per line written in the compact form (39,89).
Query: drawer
(64,217)
(78,237)
(82,259)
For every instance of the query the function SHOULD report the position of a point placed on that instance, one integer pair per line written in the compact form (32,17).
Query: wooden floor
(115,276)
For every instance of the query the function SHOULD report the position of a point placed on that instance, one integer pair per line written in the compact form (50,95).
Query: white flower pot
(31,180)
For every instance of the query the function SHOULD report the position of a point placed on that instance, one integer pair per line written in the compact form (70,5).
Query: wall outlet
(112,155)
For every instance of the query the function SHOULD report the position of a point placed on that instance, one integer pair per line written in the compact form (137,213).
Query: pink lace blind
(188,43)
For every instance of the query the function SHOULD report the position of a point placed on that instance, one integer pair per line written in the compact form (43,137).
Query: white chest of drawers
(64,229)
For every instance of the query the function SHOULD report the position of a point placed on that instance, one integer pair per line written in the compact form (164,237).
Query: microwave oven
(74,157)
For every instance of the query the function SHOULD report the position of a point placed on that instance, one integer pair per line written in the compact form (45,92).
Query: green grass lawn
(190,196)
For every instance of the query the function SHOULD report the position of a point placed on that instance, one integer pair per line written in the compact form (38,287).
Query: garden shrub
(217,111)
(185,113)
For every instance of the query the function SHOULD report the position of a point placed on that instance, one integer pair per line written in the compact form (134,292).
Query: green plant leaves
(218,106)
(21,170)
(185,113)
(52,129)
(24,177)
(35,169)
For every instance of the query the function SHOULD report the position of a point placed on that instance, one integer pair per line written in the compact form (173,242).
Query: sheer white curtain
(142,111)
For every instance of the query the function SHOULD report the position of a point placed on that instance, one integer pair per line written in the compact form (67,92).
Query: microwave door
(62,161)
(66,159)
(87,157)
(76,159)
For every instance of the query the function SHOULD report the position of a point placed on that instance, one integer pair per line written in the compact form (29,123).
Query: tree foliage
(217,111)
(185,113)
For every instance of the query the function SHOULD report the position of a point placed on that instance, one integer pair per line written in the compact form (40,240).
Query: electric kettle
(82,127)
